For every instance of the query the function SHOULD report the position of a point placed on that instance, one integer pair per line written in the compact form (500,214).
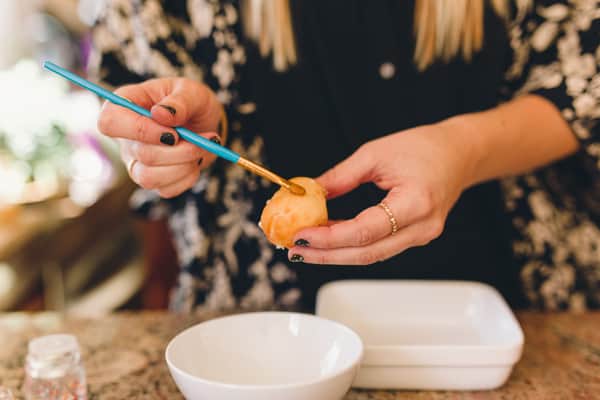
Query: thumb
(187,102)
(348,174)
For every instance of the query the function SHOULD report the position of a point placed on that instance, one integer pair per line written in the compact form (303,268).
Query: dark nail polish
(216,140)
(167,138)
(297,258)
(302,243)
(169,109)
(200,160)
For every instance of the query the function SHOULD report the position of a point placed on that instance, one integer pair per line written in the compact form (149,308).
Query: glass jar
(54,370)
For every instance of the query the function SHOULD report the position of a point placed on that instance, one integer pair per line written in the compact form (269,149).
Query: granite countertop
(123,355)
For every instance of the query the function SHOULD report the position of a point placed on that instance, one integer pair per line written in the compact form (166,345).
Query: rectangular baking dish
(429,335)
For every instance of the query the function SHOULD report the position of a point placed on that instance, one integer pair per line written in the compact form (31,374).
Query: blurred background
(68,241)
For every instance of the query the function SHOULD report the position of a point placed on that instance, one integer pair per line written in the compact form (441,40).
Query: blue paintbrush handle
(184,133)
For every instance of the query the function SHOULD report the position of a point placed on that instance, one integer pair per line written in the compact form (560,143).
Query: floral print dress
(225,260)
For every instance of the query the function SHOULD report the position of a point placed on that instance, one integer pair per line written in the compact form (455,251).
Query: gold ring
(130,166)
(391,217)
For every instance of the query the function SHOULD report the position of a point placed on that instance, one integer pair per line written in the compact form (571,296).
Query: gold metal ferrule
(271,176)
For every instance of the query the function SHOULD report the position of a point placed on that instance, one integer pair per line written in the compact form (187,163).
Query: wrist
(466,146)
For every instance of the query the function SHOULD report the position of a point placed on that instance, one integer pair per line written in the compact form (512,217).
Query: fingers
(118,122)
(349,174)
(368,226)
(371,225)
(414,235)
(173,102)
(160,155)
(143,95)
(367,238)
(162,176)
(175,189)
(187,101)
(168,170)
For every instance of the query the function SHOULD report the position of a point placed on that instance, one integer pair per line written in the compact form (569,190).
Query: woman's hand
(424,174)
(151,149)
(425,169)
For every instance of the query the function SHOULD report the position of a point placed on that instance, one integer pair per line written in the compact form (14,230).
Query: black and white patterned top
(225,260)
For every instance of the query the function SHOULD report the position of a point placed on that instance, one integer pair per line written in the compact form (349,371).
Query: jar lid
(53,345)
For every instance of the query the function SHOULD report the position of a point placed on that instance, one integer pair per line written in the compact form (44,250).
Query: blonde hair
(443,28)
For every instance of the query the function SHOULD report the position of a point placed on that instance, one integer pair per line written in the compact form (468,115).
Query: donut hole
(285,214)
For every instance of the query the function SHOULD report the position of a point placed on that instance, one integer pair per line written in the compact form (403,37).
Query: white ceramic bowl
(265,356)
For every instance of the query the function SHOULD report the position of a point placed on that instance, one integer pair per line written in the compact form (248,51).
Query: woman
(423,104)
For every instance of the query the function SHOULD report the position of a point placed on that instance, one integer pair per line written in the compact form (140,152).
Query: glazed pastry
(285,214)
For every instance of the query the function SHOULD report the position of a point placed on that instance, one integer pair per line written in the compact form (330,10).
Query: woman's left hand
(424,171)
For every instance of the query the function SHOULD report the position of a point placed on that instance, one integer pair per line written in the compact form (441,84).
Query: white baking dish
(434,335)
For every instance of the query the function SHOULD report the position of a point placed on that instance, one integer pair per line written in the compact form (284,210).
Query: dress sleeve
(138,40)
(556,56)
(555,210)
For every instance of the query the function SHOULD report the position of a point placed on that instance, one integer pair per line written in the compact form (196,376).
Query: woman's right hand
(155,156)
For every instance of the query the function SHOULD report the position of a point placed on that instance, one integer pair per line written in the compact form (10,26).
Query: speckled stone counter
(123,355)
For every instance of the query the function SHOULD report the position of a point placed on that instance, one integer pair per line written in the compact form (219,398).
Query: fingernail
(200,160)
(216,140)
(302,243)
(297,258)
(169,109)
(167,138)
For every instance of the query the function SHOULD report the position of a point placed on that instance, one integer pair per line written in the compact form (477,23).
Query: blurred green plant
(47,150)
(48,137)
